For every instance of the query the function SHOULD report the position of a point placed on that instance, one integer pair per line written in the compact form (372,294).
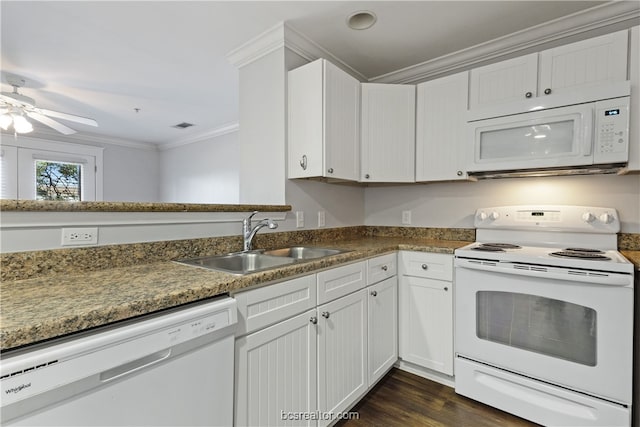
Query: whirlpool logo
(18,389)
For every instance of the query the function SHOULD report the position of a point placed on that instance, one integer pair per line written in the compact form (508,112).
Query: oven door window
(547,326)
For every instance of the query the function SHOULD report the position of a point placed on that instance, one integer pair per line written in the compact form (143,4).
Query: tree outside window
(58,181)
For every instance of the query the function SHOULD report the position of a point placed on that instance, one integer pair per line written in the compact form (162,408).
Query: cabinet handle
(425,266)
(385,268)
(374,294)
(547,91)
(326,314)
(528,95)
(330,170)
(367,176)
(459,173)
(446,289)
(313,320)
(303,162)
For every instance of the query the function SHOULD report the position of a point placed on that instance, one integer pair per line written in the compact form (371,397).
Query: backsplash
(25,265)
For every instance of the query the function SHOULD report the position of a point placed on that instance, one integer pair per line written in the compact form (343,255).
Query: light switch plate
(321,219)
(299,219)
(406,217)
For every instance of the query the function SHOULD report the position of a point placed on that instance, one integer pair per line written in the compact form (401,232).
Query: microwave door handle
(587,130)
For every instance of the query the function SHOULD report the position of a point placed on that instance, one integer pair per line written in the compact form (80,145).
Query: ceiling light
(19,122)
(361,20)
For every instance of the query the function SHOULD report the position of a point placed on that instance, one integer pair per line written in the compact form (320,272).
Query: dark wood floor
(404,399)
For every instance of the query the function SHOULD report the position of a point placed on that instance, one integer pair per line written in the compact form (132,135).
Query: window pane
(542,325)
(58,180)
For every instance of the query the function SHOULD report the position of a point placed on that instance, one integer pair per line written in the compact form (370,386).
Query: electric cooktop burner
(589,254)
(495,247)
(585,250)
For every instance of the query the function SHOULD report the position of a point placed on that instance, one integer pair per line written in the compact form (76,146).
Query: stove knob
(482,216)
(588,217)
(607,218)
(494,215)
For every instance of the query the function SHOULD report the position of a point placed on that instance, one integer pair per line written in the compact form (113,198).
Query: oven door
(557,137)
(558,328)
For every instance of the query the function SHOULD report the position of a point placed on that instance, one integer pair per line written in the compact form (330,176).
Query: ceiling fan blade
(51,123)
(70,117)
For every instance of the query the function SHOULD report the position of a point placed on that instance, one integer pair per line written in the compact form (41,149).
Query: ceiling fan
(14,107)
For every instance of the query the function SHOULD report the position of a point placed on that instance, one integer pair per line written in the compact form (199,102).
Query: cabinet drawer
(341,281)
(380,268)
(425,264)
(265,306)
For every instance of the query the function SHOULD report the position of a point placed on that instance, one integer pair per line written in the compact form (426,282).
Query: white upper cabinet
(503,82)
(634,76)
(559,70)
(387,133)
(441,123)
(323,122)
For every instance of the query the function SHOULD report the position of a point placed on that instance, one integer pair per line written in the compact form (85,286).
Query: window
(48,170)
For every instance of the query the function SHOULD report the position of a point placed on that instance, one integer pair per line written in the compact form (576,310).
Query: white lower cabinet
(276,374)
(382,327)
(342,353)
(426,310)
(297,362)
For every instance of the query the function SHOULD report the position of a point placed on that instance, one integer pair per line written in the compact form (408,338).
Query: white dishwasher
(173,368)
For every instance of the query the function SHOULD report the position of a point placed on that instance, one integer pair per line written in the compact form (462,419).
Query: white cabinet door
(276,373)
(323,122)
(634,76)
(387,133)
(577,65)
(426,323)
(8,172)
(441,146)
(506,81)
(382,327)
(342,353)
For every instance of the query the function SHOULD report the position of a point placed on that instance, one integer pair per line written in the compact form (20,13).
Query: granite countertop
(633,256)
(42,308)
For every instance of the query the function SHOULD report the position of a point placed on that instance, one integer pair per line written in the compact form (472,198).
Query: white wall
(201,172)
(453,204)
(130,174)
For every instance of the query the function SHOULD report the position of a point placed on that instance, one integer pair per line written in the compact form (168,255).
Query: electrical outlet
(79,236)
(321,219)
(299,219)
(406,217)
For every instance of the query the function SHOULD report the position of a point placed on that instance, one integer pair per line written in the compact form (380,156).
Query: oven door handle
(550,273)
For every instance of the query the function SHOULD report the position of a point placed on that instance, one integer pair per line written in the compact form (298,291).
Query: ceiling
(168,59)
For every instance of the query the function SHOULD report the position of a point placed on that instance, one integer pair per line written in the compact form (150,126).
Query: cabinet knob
(547,91)
(446,289)
(326,314)
(330,170)
(385,268)
(425,266)
(459,173)
(374,293)
(528,95)
(367,176)
(303,162)
(313,320)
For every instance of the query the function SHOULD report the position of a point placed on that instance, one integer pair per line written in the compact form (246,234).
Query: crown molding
(84,138)
(213,133)
(284,35)
(599,17)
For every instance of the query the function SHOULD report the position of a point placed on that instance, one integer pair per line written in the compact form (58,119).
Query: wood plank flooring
(403,399)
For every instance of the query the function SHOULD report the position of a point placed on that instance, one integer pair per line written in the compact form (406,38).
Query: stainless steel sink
(303,252)
(240,262)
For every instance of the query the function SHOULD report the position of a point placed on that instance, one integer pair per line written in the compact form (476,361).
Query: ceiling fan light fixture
(5,121)
(21,124)
(361,20)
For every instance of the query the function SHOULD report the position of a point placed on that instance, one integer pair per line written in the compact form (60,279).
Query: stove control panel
(585,219)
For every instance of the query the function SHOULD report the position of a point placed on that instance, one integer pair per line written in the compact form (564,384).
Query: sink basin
(240,262)
(303,252)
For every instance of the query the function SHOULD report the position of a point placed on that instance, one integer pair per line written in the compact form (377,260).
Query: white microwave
(568,137)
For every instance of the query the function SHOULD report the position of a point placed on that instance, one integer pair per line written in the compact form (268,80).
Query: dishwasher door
(172,370)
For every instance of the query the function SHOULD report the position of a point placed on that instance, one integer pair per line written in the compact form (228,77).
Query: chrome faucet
(248,233)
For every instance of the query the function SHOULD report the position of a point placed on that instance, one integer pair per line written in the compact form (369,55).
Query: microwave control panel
(611,131)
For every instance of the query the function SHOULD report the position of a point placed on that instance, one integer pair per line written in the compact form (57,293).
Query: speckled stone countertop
(46,307)
(59,206)
(634,257)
